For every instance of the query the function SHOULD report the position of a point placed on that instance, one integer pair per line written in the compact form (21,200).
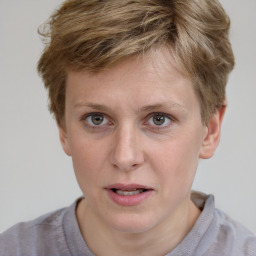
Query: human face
(135,135)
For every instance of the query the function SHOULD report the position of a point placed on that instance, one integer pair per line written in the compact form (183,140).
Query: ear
(64,140)
(212,136)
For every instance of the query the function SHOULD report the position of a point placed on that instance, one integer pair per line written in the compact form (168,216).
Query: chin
(132,223)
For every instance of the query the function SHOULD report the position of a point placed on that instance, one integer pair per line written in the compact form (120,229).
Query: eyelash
(100,126)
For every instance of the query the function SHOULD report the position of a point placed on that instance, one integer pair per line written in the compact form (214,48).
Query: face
(135,136)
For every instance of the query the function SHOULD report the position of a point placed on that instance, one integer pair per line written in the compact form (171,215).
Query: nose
(126,153)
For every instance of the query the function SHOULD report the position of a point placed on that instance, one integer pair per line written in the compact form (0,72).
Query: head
(93,35)
(138,91)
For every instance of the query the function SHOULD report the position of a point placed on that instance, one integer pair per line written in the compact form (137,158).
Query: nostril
(125,166)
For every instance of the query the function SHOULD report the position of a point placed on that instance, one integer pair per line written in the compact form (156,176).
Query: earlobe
(212,135)
(64,140)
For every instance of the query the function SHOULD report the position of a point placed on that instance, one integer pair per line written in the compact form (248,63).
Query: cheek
(88,160)
(176,162)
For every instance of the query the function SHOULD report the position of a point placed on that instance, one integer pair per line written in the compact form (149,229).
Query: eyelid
(83,117)
(160,113)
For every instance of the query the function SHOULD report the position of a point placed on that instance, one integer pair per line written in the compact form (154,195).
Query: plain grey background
(37,177)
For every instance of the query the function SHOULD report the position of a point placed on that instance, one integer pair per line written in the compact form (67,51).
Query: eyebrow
(98,107)
(147,108)
(163,106)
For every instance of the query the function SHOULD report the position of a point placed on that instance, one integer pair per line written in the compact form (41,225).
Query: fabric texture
(58,234)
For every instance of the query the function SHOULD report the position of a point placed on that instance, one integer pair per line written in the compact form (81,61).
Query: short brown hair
(94,34)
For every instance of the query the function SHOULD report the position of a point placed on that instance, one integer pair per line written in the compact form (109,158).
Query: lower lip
(129,200)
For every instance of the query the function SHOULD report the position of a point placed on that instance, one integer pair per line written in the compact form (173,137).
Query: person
(137,89)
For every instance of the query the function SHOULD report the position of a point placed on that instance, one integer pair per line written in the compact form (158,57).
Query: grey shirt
(57,233)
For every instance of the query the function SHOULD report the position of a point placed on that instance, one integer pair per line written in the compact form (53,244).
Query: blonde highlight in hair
(92,35)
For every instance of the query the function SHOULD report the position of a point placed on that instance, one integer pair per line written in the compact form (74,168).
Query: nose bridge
(126,154)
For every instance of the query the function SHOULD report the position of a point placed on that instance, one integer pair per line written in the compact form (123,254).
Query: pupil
(97,119)
(158,120)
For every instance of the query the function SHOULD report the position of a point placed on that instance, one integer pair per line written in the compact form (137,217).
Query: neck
(113,242)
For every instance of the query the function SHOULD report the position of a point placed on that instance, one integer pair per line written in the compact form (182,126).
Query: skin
(129,147)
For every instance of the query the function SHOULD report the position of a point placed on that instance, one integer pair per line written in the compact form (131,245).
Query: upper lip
(127,186)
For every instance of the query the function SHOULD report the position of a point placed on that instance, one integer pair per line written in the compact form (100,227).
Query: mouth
(128,195)
(131,192)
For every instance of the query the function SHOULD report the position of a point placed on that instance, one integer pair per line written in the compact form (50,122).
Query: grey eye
(96,119)
(159,120)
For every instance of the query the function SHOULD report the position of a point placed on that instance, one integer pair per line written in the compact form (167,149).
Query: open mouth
(130,192)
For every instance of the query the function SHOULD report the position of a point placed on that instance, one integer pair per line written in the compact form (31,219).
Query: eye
(96,119)
(160,119)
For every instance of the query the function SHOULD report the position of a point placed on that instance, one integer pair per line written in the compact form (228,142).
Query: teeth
(129,192)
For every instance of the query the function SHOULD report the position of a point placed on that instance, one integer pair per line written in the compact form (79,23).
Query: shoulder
(28,238)
(215,233)
(230,237)
(234,233)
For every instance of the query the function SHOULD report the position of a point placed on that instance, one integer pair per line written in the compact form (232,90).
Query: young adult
(138,92)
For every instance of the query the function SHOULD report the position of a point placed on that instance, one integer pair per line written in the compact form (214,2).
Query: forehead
(140,80)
